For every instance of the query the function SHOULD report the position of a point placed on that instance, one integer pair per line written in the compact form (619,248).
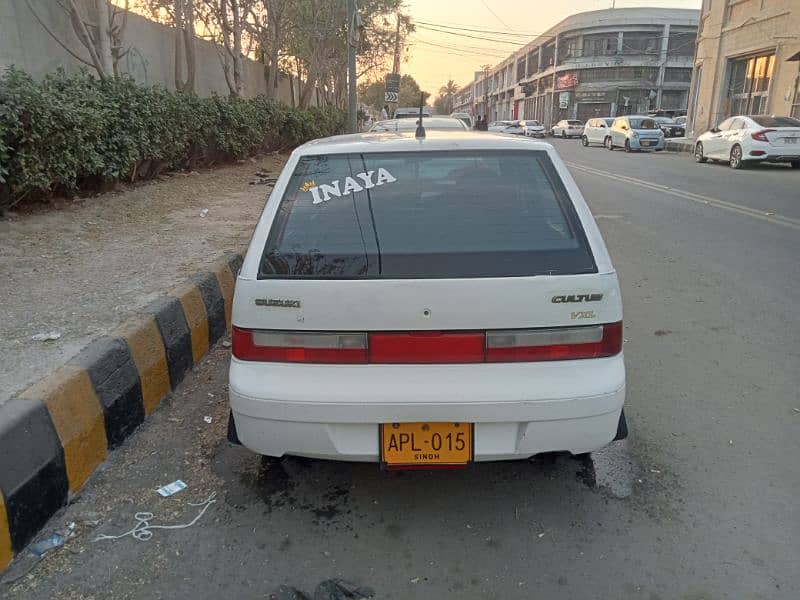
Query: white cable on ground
(143,529)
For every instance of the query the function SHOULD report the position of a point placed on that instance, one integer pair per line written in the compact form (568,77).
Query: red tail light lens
(427,347)
(564,343)
(761,136)
(300,347)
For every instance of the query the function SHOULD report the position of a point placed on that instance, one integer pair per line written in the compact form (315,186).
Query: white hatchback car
(596,131)
(426,303)
(743,140)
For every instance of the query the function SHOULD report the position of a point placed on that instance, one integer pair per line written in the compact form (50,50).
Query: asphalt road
(699,503)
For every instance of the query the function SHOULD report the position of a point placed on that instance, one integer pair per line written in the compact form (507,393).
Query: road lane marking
(698,198)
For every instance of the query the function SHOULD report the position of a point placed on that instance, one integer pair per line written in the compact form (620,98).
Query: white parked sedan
(426,302)
(567,128)
(533,128)
(750,139)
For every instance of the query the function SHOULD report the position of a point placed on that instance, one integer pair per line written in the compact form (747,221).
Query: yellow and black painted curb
(57,432)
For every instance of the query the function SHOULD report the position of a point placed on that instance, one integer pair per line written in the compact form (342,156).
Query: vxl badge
(277,303)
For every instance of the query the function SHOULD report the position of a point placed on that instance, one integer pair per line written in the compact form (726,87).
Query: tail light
(761,136)
(300,347)
(429,347)
(565,343)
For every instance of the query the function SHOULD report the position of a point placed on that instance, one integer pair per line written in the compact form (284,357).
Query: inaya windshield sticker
(362,181)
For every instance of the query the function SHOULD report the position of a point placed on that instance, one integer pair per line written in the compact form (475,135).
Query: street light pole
(352,37)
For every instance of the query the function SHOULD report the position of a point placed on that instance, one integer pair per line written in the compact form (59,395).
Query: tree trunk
(188,40)
(85,38)
(178,8)
(103,40)
(237,47)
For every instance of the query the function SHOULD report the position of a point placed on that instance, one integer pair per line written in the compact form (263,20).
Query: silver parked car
(635,132)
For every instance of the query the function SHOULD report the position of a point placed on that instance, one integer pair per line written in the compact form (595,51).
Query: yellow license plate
(408,444)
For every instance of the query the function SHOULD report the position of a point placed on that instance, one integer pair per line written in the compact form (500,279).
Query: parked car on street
(411,112)
(466,117)
(526,128)
(533,128)
(426,302)
(670,127)
(750,139)
(635,132)
(431,123)
(567,128)
(596,130)
(499,126)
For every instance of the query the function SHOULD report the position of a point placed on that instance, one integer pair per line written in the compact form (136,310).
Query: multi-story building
(748,61)
(593,64)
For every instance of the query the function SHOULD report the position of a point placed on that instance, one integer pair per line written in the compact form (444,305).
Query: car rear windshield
(575,122)
(768,121)
(643,124)
(425,215)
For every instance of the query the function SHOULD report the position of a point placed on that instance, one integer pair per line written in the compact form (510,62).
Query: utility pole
(486,91)
(352,40)
(396,65)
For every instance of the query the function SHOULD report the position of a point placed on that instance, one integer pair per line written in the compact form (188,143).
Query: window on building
(681,43)
(748,85)
(600,45)
(533,63)
(641,43)
(521,69)
(674,99)
(672,75)
(570,48)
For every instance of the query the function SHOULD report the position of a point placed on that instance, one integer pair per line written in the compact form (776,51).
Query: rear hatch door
(426,241)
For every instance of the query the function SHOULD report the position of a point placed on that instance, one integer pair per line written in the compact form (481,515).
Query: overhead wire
(497,52)
(496,16)
(510,33)
(466,35)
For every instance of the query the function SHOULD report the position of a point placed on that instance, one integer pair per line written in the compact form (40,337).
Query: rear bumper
(658,144)
(325,411)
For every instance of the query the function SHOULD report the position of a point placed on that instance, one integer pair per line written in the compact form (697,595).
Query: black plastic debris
(330,589)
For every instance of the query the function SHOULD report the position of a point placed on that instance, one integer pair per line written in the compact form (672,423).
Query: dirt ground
(82,267)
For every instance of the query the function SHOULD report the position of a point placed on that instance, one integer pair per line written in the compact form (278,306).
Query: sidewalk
(79,271)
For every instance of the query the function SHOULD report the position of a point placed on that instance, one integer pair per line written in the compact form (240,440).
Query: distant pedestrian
(485,124)
(385,111)
(478,125)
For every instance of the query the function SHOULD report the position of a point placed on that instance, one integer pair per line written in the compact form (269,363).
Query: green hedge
(67,133)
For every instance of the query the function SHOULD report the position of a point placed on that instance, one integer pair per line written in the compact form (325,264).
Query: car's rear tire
(627,146)
(698,153)
(584,140)
(608,144)
(735,160)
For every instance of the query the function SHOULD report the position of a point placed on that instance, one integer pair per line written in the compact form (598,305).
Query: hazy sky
(432,65)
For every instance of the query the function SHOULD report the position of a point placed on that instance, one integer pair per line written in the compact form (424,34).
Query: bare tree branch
(55,37)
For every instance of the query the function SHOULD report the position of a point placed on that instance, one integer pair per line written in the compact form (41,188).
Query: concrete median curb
(679,145)
(57,432)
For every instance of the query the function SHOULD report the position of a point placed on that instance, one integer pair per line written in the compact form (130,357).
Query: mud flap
(622,428)
(233,437)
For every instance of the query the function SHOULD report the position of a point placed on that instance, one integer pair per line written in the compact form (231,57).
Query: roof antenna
(420,134)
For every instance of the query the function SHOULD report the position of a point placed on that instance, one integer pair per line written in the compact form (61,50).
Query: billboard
(568,80)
